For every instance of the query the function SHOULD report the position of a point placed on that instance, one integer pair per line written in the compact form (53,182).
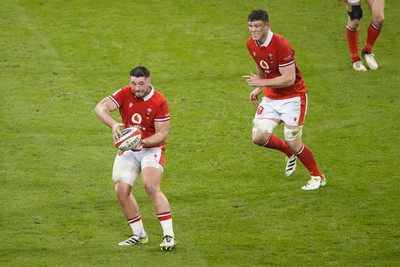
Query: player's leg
(354,12)
(264,123)
(293,114)
(152,172)
(295,143)
(262,136)
(304,154)
(378,16)
(126,200)
(125,172)
(151,177)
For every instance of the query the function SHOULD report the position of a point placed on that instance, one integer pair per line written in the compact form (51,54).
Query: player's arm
(258,90)
(287,78)
(260,72)
(158,137)
(103,111)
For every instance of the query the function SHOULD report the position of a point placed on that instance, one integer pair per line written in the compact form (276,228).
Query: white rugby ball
(129,139)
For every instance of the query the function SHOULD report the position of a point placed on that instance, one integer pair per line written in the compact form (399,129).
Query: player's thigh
(377,10)
(151,177)
(265,120)
(126,168)
(152,165)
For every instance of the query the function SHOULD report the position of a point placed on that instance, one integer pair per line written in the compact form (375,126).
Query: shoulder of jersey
(158,95)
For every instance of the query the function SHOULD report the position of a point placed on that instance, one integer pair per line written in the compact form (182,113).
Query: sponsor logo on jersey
(264,66)
(136,118)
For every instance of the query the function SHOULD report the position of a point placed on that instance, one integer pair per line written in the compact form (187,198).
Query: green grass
(231,203)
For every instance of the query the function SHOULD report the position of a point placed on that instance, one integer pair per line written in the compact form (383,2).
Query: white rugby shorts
(128,164)
(292,111)
(351,1)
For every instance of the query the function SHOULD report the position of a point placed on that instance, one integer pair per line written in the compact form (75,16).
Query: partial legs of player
(293,147)
(377,8)
(303,153)
(355,13)
(151,177)
(126,170)
(130,209)
(262,136)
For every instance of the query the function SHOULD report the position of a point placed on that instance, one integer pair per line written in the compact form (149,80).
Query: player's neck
(264,39)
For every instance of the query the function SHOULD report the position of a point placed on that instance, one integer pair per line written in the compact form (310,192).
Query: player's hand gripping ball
(129,139)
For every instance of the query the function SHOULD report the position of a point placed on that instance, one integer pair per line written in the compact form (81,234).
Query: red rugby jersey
(141,112)
(274,53)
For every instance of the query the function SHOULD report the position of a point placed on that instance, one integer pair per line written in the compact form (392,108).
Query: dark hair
(140,71)
(258,14)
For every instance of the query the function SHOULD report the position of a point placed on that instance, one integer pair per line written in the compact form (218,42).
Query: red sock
(352,41)
(276,143)
(372,34)
(164,216)
(307,158)
(135,219)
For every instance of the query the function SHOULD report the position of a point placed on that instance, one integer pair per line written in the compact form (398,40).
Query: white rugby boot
(370,59)
(290,165)
(134,240)
(168,243)
(358,66)
(314,183)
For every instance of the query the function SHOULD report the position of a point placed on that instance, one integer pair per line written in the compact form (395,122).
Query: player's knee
(258,141)
(378,21)
(260,138)
(294,146)
(354,12)
(293,134)
(262,130)
(121,190)
(353,25)
(151,188)
(151,177)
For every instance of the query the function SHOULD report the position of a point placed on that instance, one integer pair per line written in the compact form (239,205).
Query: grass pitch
(231,203)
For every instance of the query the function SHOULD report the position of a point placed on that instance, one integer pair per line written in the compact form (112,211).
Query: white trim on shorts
(352,1)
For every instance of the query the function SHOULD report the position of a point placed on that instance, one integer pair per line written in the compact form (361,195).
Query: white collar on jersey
(268,40)
(147,97)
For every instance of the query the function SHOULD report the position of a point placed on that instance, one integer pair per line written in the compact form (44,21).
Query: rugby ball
(129,138)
